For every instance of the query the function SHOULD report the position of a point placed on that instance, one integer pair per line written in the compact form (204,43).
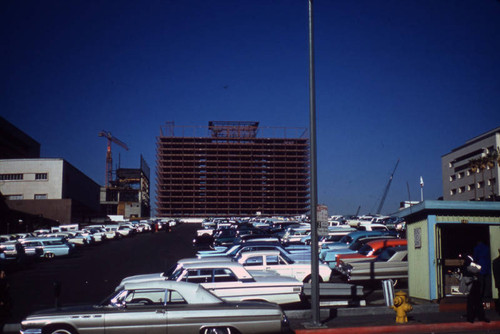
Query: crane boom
(386,190)
(109,158)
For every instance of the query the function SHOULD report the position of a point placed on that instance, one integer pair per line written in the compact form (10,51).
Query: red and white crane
(109,158)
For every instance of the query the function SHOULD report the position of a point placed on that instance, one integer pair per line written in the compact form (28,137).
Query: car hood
(64,310)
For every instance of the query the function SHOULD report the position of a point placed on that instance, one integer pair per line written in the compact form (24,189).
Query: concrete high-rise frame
(231,171)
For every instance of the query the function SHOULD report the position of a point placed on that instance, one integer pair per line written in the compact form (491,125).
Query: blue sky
(406,80)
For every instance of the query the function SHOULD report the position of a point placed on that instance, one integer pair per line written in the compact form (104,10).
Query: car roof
(367,233)
(375,244)
(261,252)
(211,264)
(41,239)
(191,292)
(221,258)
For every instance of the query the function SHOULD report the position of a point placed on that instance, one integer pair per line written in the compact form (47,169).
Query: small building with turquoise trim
(437,232)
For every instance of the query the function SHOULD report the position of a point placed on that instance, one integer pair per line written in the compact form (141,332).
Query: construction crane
(386,190)
(109,158)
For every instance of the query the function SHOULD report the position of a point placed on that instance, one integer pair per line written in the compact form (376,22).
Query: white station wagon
(231,282)
(272,260)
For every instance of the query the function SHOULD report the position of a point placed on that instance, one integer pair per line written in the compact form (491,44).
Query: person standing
(475,308)
(496,275)
(482,257)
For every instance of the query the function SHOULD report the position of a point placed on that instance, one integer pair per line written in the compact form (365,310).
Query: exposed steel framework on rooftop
(231,171)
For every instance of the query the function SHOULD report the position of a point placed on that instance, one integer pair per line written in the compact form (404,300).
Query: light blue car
(49,247)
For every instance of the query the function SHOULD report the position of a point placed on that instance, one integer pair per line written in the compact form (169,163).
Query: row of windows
(21,197)
(470,187)
(461,175)
(20,176)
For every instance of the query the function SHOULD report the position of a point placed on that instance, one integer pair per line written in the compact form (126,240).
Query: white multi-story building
(470,172)
(51,188)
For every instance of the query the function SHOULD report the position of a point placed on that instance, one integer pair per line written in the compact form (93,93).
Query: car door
(143,311)
(278,264)
(183,318)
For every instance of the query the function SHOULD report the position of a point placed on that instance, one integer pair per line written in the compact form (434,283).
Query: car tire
(59,330)
(308,279)
(217,330)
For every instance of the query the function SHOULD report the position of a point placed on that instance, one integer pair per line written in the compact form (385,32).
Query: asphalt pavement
(93,274)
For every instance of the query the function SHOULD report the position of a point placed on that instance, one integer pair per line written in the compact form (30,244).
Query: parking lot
(95,271)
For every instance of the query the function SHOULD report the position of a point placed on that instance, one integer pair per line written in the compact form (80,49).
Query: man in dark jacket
(475,308)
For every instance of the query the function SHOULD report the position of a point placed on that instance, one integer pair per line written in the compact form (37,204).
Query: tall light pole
(314,193)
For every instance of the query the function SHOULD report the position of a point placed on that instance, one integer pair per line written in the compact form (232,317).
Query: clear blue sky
(395,79)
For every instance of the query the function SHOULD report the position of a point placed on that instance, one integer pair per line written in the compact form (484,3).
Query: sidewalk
(425,318)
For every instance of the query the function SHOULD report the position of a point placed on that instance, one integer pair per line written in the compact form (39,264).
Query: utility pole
(314,193)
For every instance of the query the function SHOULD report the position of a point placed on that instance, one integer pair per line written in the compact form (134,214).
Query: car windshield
(286,258)
(365,250)
(115,299)
(356,246)
(385,255)
(175,274)
(346,239)
(233,250)
(170,271)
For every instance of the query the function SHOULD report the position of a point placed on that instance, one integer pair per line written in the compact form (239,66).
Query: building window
(461,175)
(480,185)
(492,181)
(40,196)
(41,176)
(461,190)
(453,178)
(11,177)
(470,187)
(453,192)
(14,197)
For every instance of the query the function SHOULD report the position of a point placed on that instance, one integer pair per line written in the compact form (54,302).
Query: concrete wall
(29,186)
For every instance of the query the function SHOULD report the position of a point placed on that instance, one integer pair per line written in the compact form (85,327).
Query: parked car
(391,263)
(352,237)
(51,247)
(76,238)
(160,307)
(273,260)
(232,282)
(225,237)
(370,250)
(203,242)
(296,253)
(330,256)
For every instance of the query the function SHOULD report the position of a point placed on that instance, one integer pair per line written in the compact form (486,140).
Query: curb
(405,328)
(360,311)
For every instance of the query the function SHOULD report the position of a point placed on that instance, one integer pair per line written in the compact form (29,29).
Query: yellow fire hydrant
(402,307)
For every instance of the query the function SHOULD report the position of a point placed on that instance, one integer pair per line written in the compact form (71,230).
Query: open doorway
(459,239)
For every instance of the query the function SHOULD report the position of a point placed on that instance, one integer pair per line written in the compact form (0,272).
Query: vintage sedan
(160,307)
(371,250)
(391,263)
(295,252)
(273,260)
(231,282)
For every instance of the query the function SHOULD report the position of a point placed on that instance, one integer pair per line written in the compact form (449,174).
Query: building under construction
(128,194)
(232,169)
